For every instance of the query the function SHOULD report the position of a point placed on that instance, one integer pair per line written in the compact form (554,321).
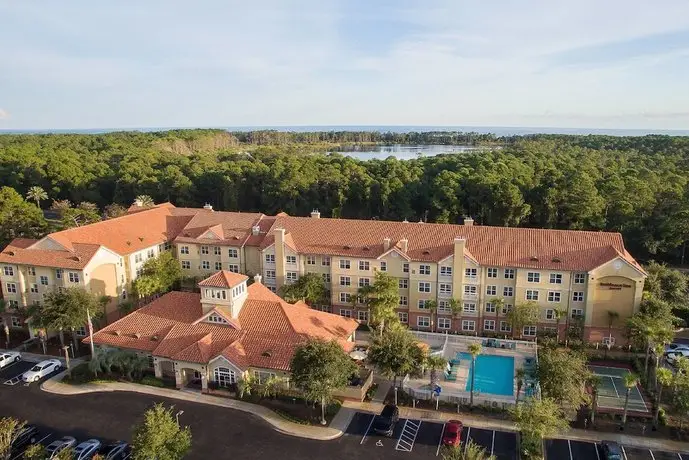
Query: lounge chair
(450,377)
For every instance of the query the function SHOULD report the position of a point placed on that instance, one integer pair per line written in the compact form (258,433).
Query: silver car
(58,446)
(9,357)
(87,449)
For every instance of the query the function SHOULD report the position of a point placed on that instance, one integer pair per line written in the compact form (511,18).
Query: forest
(634,185)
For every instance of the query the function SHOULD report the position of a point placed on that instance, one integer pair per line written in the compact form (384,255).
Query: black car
(611,450)
(115,451)
(385,422)
(27,435)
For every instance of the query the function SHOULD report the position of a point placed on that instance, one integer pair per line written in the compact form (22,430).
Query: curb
(276,421)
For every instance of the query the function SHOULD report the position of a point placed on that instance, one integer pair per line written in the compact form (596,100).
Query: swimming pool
(494,374)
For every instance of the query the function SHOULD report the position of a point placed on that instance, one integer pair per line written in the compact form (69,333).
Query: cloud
(4,114)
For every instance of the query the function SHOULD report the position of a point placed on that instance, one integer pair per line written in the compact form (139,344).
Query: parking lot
(11,375)
(422,439)
(563,449)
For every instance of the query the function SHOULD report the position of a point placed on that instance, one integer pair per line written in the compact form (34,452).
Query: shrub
(152,381)
(333,408)
(662,417)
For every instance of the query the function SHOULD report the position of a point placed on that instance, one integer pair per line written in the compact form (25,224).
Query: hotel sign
(615,286)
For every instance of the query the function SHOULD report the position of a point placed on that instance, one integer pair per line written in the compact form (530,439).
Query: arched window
(224,377)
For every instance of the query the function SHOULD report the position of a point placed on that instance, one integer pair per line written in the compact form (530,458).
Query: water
(494,374)
(402,152)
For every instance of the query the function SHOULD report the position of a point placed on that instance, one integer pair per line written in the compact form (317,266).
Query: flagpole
(90,325)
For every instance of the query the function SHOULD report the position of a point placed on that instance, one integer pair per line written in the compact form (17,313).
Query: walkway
(335,430)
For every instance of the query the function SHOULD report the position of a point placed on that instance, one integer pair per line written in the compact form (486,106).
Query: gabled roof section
(17,252)
(224,279)
(229,228)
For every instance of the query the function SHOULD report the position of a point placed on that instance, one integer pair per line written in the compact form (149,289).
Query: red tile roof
(17,253)
(230,228)
(270,330)
(224,279)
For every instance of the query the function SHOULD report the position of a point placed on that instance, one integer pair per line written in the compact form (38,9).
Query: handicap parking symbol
(379,443)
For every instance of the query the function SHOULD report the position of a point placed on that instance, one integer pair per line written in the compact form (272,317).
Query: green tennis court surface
(611,391)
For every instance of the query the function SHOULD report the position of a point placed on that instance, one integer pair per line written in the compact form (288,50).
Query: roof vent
(255,230)
(207,207)
(141,238)
(117,332)
(235,237)
(421,221)
(346,247)
(11,253)
(366,248)
(77,258)
(136,335)
(425,253)
(315,214)
(556,259)
(266,354)
(154,338)
(405,221)
(129,243)
(533,258)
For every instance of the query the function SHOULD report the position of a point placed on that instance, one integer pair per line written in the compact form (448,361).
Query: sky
(77,64)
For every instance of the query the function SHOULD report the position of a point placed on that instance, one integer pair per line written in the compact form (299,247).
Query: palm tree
(37,194)
(455,307)
(630,381)
(658,350)
(475,350)
(245,386)
(663,380)
(144,201)
(594,381)
(558,314)
(432,307)
(435,363)
(520,376)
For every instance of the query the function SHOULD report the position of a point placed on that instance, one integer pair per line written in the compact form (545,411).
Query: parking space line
(492,444)
(569,444)
(680,456)
(624,453)
(367,430)
(595,446)
(467,441)
(37,442)
(440,441)
(653,457)
(408,435)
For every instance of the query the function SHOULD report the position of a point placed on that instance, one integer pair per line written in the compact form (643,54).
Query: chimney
(316,214)
(207,207)
(404,245)
(386,244)
(255,230)
(257,278)
(468,221)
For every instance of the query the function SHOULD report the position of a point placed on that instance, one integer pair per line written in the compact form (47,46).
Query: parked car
(611,450)
(672,357)
(386,421)
(27,435)
(9,357)
(671,348)
(115,451)
(452,435)
(59,445)
(87,449)
(41,369)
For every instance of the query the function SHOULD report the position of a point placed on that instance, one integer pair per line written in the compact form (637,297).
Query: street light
(177,416)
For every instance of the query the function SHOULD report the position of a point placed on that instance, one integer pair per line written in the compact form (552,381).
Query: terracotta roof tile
(224,279)
(76,259)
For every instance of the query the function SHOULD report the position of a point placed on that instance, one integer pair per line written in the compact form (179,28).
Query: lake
(401,151)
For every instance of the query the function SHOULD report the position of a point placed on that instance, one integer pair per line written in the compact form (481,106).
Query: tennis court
(611,392)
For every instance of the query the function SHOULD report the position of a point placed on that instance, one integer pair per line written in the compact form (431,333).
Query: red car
(453,433)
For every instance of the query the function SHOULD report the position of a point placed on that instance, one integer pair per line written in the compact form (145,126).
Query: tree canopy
(382,298)
(310,288)
(562,375)
(396,353)
(159,436)
(158,275)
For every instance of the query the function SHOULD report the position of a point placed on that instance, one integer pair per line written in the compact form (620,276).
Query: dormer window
(217,319)
(219,294)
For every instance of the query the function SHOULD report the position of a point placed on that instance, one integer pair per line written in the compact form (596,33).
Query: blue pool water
(494,374)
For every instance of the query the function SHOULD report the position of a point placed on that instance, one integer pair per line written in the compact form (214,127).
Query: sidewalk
(335,430)
(489,423)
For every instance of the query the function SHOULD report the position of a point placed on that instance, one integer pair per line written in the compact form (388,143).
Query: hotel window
(469,307)
(292,276)
(444,307)
(444,323)
(533,277)
(492,273)
(151,253)
(16,322)
(138,258)
(422,304)
(423,321)
(11,288)
(489,325)
(424,286)
(345,298)
(325,261)
(577,313)
(326,277)
(216,250)
(34,288)
(58,273)
(469,290)
(529,331)
(383,266)
(509,273)
(506,308)
(139,271)
(364,282)
(556,278)
(505,327)
(124,294)
(73,277)
(232,253)
(15,303)
(345,264)
(184,249)
(216,319)
(270,274)
(31,271)
(470,272)
(364,265)
(403,283)
(445,271)
(44,280)
(553,296)
(507,291)
(262,377)
(444,288)
(403,316)
(550,314)
(608,340)
(272,289)
(578,296)
(424,269)
(327,308)
(233,268)
(9,271)
(362,315)
(468,325)
(204,249)
(404,301)
(291,260)
(491,290)
(224,377)
(270,258)
(310,260)
(206,265)
(490,307)
(345,281)
(218,265)
(186,265)
(405,268)
(531,295)
(579,278)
